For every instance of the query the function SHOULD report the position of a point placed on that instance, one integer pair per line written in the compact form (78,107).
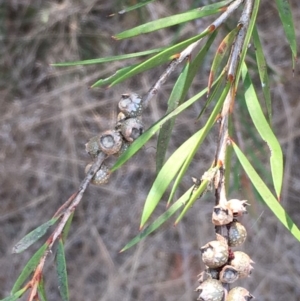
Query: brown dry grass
(48,114)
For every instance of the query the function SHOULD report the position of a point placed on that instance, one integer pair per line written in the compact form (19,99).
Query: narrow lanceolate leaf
(221,53)
(15,296)
(263,72)
(29,267)
(173,20)
(198,60)
(67,227)
(161,57)
(166,130)
(160,220)
(216,94)
(61,270)
(262,126)
(108,59)
(286,17)
(108,80)
(136,6)
(137,144)
(165,176)
(41,290)
(266,194)
(192,151)
(33,236)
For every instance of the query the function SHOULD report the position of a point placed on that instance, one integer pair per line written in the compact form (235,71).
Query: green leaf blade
(266,194)
(166,130)
(165,176)
(266,133)
(160,220)
(61,269)
(286,18)
(33,236)
(161,57)
(172,20)
(29,267)
(263,72)
(108,59)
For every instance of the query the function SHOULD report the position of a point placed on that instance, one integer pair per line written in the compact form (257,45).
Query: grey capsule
(131,129)
(110,142)
(131,105)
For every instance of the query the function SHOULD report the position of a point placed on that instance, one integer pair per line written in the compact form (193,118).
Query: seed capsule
(221,215)
(131,105)
(228,274)
(110,142)
(237,207)
(242,263)
(101,176)
(210,290)
(214,254)
(92,146)
(237,234)
(239,294)
(131,129)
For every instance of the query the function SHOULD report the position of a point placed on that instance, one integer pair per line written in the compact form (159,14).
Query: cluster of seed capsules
(224,266)
(114,142)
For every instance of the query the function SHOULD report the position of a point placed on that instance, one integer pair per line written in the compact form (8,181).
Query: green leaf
(161,57)
(221,53)
(108,59)
(29,267)
(262,126)
(15,296)
(216,94)
(33,236)
(61,270)
(165,176)
(166,130)
(286,17)
(192,151)
(140,4)
(108,80)
(266,194)
(67,227)
(160,220)
(172,20)
(207,178)
(263,72)
(197,61)
(41,290)
(138,143)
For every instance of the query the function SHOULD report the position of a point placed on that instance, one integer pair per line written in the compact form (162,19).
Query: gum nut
(92,146)
(237,234)
(228,274)
(110,142)
(214,254)
(242,263)
(239,294)
(221,216)
(210,290)
(237,207)
(131,105)
(101,176)
(131,129)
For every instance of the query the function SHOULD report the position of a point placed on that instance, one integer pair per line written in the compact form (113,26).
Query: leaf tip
(115,38)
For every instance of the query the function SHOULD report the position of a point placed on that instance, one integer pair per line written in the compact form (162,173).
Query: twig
(187,52)
(65,211)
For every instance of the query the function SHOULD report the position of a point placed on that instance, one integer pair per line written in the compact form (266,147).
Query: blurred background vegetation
(47,115)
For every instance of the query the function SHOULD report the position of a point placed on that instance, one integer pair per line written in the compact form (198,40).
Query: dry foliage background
(47,115)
